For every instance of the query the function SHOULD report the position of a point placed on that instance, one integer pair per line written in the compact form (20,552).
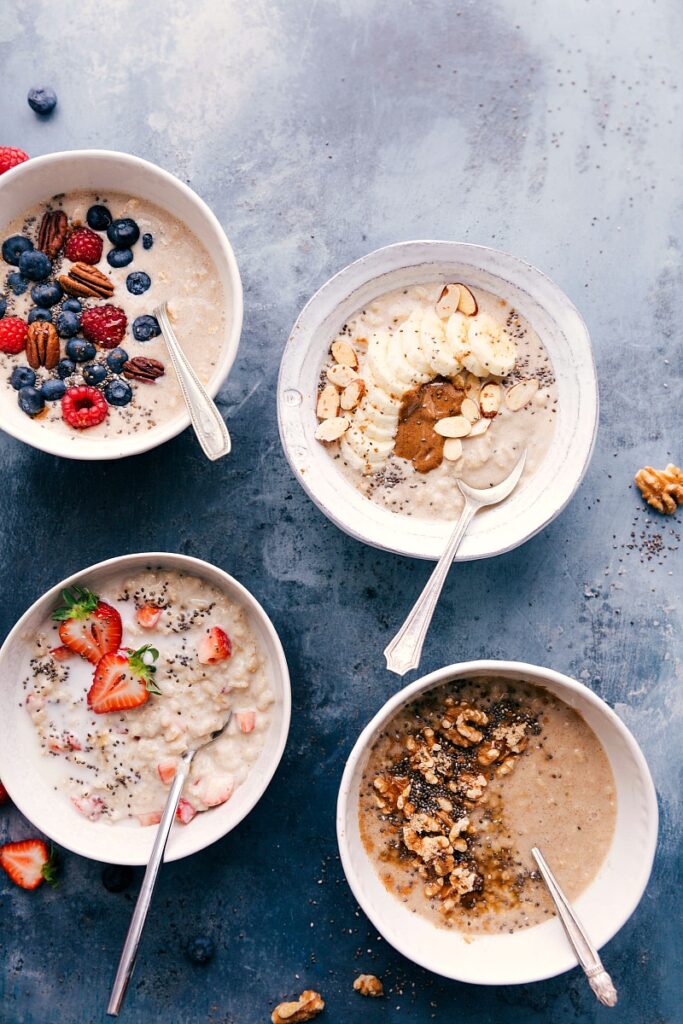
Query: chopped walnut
(463,879)
(369,985)
(308,1006)
(513,735)
(661,488)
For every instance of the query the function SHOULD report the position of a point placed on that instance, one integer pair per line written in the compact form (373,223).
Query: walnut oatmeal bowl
(449,787)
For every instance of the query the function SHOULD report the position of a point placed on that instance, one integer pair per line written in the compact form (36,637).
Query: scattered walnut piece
(661,488)
(368,985)
(308,1006)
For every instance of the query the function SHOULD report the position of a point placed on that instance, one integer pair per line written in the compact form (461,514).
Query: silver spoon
(586,953)
(405,650)
(208,423)
(137,922)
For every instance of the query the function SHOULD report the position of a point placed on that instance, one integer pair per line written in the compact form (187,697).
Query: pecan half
(52,233)
(42,345)
(143,369)
(85,281)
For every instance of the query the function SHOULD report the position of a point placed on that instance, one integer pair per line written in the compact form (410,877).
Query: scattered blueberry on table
(42,99)
(201,949)
(116,877)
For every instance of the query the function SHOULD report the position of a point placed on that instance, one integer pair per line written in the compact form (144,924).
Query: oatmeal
(460,786)
(79,344)
(430,384)
(122,683)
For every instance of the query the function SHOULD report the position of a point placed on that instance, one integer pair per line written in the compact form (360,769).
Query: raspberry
(84,407)
(84,246)
(10,157)
(104,325)
(12,334)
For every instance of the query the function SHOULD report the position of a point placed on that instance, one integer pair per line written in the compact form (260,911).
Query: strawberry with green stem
(88,626)
(123,680)
(28,863)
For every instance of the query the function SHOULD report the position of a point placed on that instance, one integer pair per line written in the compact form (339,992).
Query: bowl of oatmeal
(428,362)
(92,242)
(112,676)
(451,784)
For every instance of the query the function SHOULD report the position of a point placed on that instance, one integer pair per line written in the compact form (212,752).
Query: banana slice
(380,367)
(457,334)
(376,395)
(351,457)
(375,428)
(491,346)
(367,411)
(371,450)
(438,351)
(411,339)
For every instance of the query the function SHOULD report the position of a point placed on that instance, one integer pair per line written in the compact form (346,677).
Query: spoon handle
(137,923)
(404,651)
(208,423)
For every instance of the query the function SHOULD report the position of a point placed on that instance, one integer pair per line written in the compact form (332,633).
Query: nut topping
(42,345)
(143,369)
(341,375)
(332,429)
(467,303)
(308,1006)
(85,281)
(661,488)
(52,233)
(521,393)
(328,403)
(447,303)
(352,394)
(489,400)
(344,353)
(369,985)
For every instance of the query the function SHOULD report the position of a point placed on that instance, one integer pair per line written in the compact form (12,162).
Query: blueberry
(13,247)
(22,377)
(17,282)
(123,232)
(46,294)
(94,373)
(42,100)
(31,401)
(200,949)
(116,877)
(35,265)
(118,392)
(52,390)
(67,324)
(138,282)
(145,327)
(80,350)
(39,314)
(98,218)
(66,368)
(147,240)
(72,305)
(116,359)
(3,306)
(119,258)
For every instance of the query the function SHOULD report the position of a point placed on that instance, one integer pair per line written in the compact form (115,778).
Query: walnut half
(308,1005)
(369,985)
(661,488)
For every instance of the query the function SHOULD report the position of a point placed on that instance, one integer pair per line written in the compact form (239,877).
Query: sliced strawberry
(88,626)
(148,616)
(28,863)
(166,771)
(90,807)
(4,795)
(214,789)
(215,645)
(246,720)
(61,653)
(185,811)
(149,818)
(123,680)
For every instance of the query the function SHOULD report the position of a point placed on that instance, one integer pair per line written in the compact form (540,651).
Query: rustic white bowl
(538,500)
(103,170)
(534,953)
(23,766)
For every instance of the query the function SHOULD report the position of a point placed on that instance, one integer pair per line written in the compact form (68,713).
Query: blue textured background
(318,131)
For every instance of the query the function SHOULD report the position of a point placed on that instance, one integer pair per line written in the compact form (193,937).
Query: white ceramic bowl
(564,335)
(103,171)
(22,765)
(533,953)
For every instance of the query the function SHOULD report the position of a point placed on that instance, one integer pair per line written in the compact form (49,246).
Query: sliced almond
(447,303)
(328,403)
(470,410)
(521,393)
(343,353)
(453,426)
(452,449)
(340,375)
(332,429)
(472,386)
(468,303)
(352,394)
(479,428)
(489,400)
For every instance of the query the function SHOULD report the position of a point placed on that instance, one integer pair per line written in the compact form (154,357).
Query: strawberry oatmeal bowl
(91,243)
(112,676)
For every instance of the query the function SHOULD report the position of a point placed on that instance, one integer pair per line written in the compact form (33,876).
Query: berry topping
(17,282)
(52,390)
(118,392)
(22,377)
(84,246)
(94,373)
(104,325)
(61,653)
(35,265)
(79,350)
(147,241)
(42,99)
(46,294)
(166,770)
(200,949)
(31,401)
(72,305)
(246,720)
(66,368)
(117,258)
(28,863)
(116,359)
(185,811)
(88,626)
(12,334)
(123,680)
(116,877)
(67,323)
(145,328)
(11,157)
(98,218)
(214,646)
(123,233)
(148,615)
(84,407)
(138,282)
(13,247)
(4,795)
(39,314)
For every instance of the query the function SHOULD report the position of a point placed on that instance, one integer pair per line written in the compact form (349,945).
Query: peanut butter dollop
(416,439)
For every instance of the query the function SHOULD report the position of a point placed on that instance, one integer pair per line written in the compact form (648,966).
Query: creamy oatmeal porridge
(123,682)
(79,313)
(464,781)
(429,384)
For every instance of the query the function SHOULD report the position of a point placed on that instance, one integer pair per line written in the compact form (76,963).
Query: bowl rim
(194,842)
(137,444)
(488,666)
(408,549)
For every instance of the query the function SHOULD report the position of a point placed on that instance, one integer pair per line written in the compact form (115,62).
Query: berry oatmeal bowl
(92,242)
(111,676)
(425,363)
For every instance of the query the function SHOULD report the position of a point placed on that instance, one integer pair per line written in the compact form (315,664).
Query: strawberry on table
(123,680)
(215,645)
(11,157)
(88,626)
(4,795)
(28,863)
(13,331)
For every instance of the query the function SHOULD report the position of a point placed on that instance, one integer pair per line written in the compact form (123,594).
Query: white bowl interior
(41,178)
(563,334)
(538,952)
(28,774)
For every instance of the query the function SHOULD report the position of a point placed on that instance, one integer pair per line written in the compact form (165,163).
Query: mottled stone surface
(318,131)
